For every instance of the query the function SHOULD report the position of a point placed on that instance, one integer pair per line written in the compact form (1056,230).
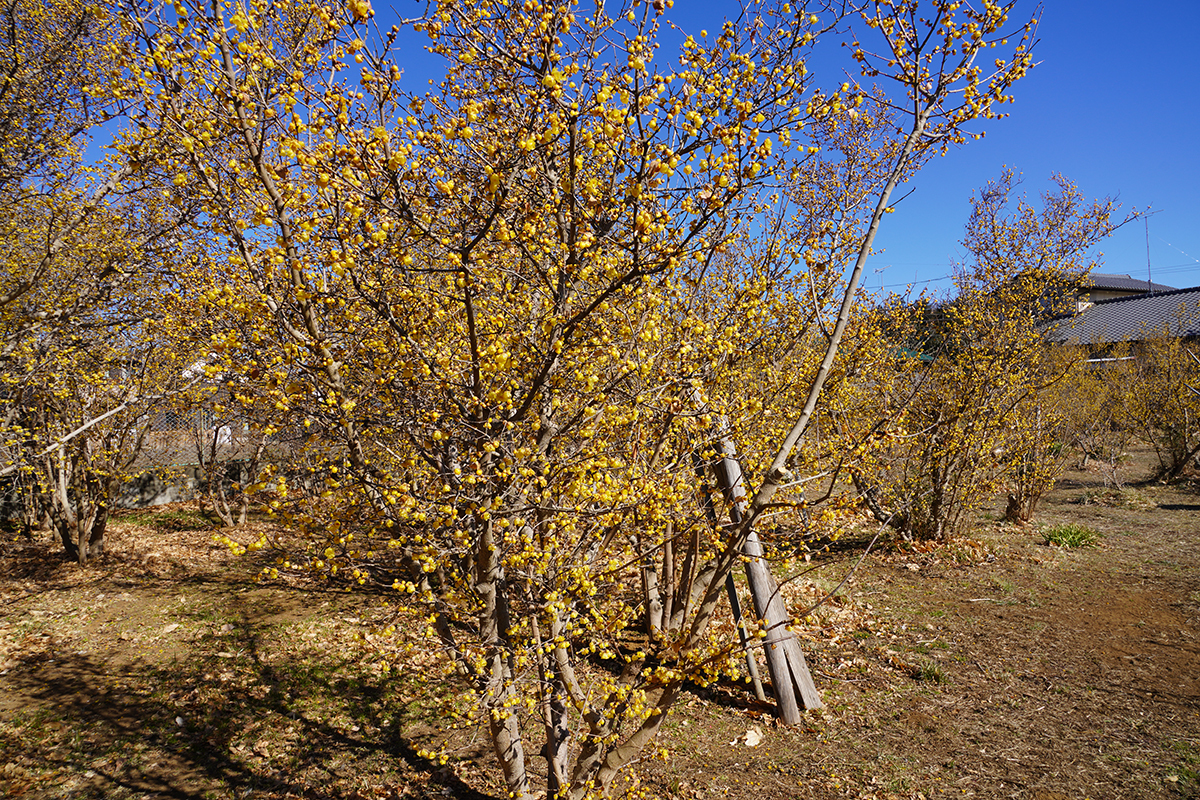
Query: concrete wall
(159,487)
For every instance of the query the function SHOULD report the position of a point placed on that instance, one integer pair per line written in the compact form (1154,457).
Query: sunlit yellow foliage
(971,399)
(513,310)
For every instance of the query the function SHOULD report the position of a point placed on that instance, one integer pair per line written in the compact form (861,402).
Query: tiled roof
(1123,283)
(1128,319)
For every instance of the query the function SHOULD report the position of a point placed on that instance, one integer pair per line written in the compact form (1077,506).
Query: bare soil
(997,667)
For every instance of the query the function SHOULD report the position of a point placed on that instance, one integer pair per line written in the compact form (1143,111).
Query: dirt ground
(1000,667)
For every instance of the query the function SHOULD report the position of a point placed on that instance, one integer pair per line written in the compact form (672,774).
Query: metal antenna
(1149,282)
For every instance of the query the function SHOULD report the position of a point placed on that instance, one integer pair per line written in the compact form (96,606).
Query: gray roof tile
(1124,283)
(1128,319)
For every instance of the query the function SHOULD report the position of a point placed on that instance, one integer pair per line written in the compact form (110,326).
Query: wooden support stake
(751,662)
(735,604)
(789,670)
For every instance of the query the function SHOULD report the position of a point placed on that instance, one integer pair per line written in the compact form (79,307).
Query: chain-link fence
(196,437)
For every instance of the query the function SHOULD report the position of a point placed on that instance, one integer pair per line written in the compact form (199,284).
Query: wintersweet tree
(86,247)
(76,384)
(50,55)
(1162,401)
(516,310)
(1099,397)
(77,429)
(979,414)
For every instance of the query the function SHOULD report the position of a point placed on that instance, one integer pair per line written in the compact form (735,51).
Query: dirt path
(1033,673)
(1042,673)
(1072,674)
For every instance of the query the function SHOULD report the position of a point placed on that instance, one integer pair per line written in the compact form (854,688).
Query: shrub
(1164,404)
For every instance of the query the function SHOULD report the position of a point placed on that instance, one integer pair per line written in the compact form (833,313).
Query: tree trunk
(669,575)
(558,738)
(651,595)
(556,749)
(496,688)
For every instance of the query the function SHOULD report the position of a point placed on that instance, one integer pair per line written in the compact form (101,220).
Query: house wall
(1093,296)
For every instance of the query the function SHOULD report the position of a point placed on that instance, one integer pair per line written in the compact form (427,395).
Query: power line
(1173,269)
(1180,268)
(1168,244)
(916,283)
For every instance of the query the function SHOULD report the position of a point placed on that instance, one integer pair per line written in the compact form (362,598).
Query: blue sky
(1112,105)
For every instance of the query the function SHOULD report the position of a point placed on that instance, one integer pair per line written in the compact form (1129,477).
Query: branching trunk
(79,504)
(229,499)
(496,683)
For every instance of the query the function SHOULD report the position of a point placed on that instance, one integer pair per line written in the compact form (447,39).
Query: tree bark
(496,688)
(651,596)
(556,749)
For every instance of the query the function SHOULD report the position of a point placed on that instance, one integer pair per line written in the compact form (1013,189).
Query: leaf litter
(166,669)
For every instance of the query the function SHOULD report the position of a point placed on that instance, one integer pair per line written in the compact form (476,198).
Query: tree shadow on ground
(187,730)
(1179,506)
(31,560)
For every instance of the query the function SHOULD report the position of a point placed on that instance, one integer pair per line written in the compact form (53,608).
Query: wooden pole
(789,670)
(735,604)
(739,620)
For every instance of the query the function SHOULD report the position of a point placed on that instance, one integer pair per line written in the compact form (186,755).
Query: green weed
(931,672)
(1004,586)
(1071,535)
(1186,775)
